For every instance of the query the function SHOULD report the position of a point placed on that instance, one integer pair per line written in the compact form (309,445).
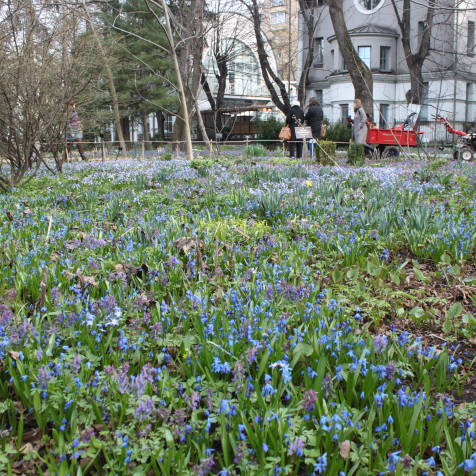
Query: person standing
(295,118)
(314,117)
(74,131)
(359,131)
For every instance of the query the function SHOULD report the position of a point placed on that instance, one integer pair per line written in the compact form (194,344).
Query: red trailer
(388,142)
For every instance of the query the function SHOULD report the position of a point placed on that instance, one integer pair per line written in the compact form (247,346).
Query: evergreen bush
(356,154)
(326,152)
(256,150)
(338,132)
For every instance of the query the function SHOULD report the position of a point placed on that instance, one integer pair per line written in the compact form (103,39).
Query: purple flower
(6,315)
(251,354)
(380,343)
(44,376)
(297,447)
(205,466)
(76,363)
(145,408)
(309,400)
(389,371)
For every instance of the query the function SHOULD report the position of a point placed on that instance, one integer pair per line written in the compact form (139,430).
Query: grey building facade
(449,71)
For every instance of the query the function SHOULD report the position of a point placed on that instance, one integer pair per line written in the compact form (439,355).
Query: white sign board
(303,132)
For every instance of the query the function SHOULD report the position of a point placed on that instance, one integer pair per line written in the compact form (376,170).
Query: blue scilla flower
(268,389)
(392,461)
(224,407)
(469,464)
(220,368)
(321,464)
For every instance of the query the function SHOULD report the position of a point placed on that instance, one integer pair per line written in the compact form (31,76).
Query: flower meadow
(237,316)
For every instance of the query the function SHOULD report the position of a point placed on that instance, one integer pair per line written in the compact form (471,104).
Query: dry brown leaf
(14,355)
(186,244)
(344,449)
(27,448)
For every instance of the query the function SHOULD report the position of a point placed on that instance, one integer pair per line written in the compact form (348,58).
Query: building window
(318,52)
(344,66)
(383,116)
(385,58)
(469,100)
(364,54)
(277,18)
(421,31)
(318,93)
(344,112)
(332,60)
(169,124)
(470,49)
(424,102)
(278,3)
(368,6)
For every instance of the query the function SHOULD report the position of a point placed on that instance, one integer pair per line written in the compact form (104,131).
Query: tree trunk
(110,78)
(202,127)
(359,73)
(145,131)
(310,25)
(185,118)
(160,124)
(270,77)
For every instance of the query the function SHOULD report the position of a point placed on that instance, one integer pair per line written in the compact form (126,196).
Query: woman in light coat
(359,131)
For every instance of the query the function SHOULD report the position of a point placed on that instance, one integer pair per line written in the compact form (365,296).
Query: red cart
(388,142)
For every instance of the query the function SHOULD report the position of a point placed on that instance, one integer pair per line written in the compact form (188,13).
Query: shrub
(326,152)
(202,166)
(356,154)
(256,150)
(268,129)
(338,132)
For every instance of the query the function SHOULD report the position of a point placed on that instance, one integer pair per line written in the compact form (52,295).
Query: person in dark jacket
(314,117)
(295,118)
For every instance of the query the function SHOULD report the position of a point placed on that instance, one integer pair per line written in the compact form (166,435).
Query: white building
(449,72)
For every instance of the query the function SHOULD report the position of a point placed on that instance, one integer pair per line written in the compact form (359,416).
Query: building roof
(370,30)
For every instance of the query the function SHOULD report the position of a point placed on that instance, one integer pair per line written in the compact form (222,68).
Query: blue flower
(321,464)
(392,461)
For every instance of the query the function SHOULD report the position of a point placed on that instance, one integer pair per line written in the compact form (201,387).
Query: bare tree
(310,21)
(227,41)
(415,60)
(360,74)
(276,86)
(45,62)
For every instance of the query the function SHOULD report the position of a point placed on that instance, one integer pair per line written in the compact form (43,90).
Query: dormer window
(368,6)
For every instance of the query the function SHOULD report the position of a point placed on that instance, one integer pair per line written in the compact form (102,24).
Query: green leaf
(302,350)
(455,310)
(417,312)
(352,273)
(373,269)
(419,275)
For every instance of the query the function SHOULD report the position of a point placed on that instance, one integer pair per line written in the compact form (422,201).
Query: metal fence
(164,150)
